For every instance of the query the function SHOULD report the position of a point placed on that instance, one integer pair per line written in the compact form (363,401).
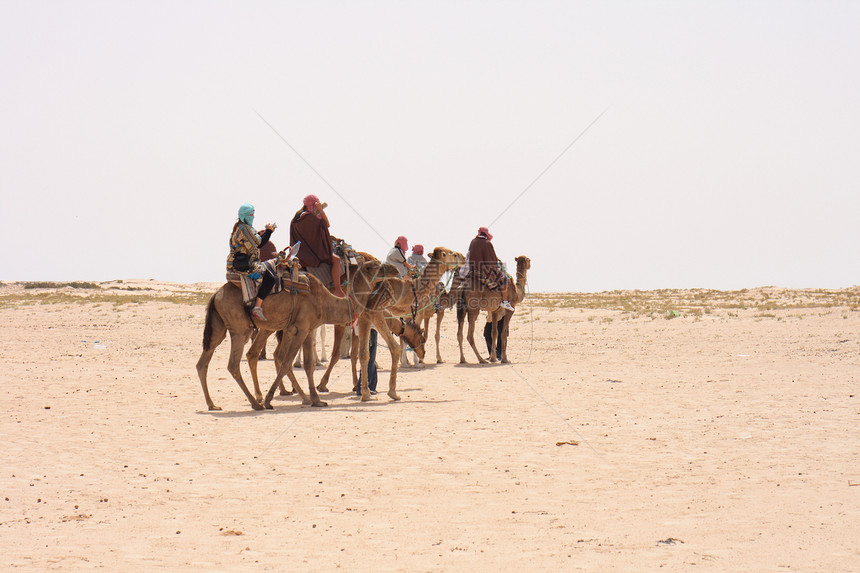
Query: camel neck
(521,278)
(521,281)
(431,275)
(424,285)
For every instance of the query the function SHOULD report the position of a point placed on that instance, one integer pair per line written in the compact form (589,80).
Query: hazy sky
(728,155)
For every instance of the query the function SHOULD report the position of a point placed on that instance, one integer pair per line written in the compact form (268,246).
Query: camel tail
(211,313)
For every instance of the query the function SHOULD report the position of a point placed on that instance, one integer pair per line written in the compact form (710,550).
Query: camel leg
(238,339)
(287,349)
(314,353)
(218,335)
(323,358)
(470,336)
(460,320)
(309,370)
(253,355)
(280,352)
(353,359)
(439,316)
(284,392)
(339,331)
(395,349)
(404,360)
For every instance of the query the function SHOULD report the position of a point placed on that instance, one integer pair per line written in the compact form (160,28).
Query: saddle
(285,279)
(488,281)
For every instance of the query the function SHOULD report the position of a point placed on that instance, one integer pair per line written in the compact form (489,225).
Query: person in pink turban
(486,265)
(397,255)
(417,259)
(310,226)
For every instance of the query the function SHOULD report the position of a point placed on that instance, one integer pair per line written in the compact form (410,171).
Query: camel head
(523,263)
(449,258)
(414,338)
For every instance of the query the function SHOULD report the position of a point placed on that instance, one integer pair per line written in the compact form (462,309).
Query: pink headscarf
(485,231)
(402,243)
(418,249)
(310,201)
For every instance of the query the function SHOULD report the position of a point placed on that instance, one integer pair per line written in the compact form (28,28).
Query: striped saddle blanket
(297,282)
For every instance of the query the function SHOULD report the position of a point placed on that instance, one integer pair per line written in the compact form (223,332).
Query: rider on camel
(310,226)
(487,267)
(244,257)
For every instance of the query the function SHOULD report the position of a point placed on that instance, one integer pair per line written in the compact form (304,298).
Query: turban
(246,214)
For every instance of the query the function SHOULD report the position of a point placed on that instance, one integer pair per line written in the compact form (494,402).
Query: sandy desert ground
(633,431)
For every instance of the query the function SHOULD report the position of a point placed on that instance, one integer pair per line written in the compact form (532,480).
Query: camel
(404,296)
(473,298)
(226,313)
(405,330)
(517,295)
(444,301)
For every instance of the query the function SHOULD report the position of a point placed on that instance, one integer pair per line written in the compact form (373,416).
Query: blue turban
(246,214)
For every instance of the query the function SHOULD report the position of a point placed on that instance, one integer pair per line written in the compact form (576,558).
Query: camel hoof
(505,361)
(322,388)
(367,397)
(257,406)
(268,406)
(319,404)
(214,408)
(393,396)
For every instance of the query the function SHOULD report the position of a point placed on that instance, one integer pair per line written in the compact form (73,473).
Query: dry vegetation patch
(672,303)
(112,292)
(766,302)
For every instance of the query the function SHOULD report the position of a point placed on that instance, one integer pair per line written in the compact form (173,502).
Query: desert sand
(633,431)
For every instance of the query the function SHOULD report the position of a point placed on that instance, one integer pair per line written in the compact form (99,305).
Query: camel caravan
(321,280)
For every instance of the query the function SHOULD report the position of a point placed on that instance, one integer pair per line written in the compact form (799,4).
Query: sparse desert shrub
(48,284)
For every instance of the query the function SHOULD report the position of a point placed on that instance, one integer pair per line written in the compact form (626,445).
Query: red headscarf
(485,231)
(418,249)
(402,243)
(310,201)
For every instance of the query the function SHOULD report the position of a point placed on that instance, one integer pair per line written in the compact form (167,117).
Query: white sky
(728,155)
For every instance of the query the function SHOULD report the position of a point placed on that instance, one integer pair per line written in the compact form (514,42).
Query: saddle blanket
(297,285)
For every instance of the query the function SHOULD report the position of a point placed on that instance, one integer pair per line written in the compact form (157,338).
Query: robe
(316,240)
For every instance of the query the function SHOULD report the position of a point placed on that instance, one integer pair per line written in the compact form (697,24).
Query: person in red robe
(486,265)
(310,226)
